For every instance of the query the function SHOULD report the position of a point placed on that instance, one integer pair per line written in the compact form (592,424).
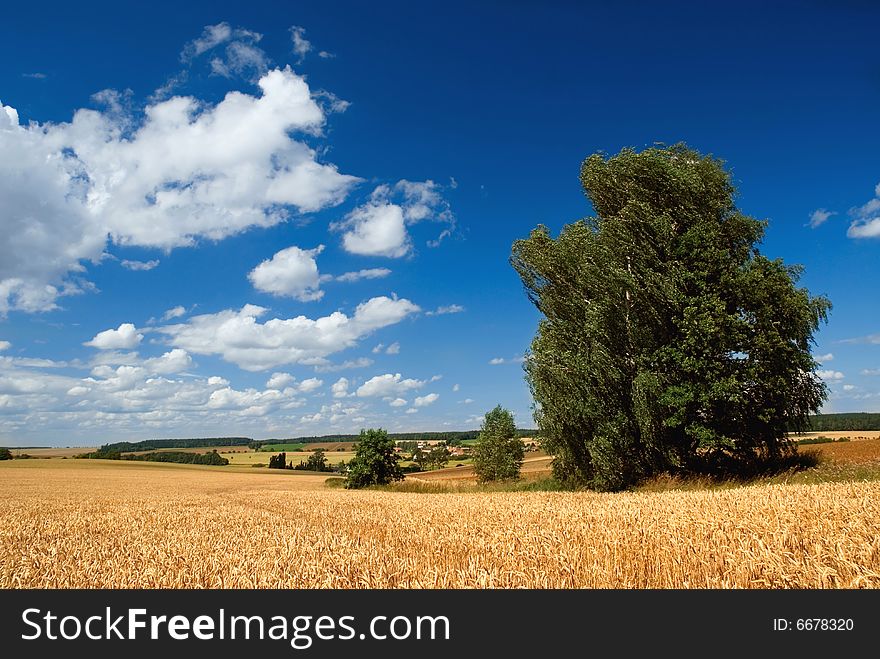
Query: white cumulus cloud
(239,338)
(424,401)
(180,171)
(866,218)
(292,272)
(388,385)
(279,381)
(123,337)
(340,388)
(379,227)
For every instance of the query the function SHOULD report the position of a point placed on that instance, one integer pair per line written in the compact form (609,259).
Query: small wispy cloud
(139,265)
(495,361)
(830,375)
(447,309)
(824,359)
(234,53)
(873,339)
(35,76)
(819,216)
(174,312)
(301,45)
(393,349)
(370,273)
(360,362)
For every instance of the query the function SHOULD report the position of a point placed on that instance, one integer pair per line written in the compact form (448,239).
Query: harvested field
(67,452)
(92,524)
(852,435)
(534,465)
(852,452)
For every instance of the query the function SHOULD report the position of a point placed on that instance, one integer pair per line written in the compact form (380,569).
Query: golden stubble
(72,524)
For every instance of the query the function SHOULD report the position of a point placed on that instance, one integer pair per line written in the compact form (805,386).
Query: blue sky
(280,219)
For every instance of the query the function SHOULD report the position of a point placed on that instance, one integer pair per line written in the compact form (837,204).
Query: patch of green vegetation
(822,439)
(335,482)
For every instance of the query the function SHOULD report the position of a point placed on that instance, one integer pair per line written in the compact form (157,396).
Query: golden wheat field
(66,524)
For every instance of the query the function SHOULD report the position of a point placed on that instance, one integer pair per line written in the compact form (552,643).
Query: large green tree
(375,462)
(668,341)
(498,453)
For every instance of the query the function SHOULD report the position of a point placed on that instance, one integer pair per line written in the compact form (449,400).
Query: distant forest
(818,423)
(154,444)
(208,442)
(846,421)
(397,436)
(181,457)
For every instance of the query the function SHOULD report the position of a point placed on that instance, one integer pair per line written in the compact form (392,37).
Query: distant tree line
(845,421)
(195,442)
(213,458)
(448,436)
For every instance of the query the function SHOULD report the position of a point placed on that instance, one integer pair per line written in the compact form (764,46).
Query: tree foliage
(668,342)
(317,461)
(5,454)
(375,462)
(278,461)
(498,453)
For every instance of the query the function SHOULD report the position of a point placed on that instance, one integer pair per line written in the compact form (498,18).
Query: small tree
(375,463)
(317,461)
(420,458)
(5,454)
(498,454)
(439,456)
(278,461)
